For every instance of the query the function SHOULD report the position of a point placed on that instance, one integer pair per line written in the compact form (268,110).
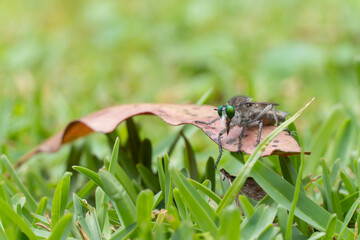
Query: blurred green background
(60,60)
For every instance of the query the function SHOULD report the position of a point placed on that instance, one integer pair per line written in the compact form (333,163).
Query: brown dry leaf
(106,120)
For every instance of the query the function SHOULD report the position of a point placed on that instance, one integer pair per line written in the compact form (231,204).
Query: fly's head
(226,113)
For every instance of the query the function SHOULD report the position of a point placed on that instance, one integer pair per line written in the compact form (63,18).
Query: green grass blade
(295,199)
(282,192)
(124,233)
(102,204)
(79,215)
(245,170)
(263,217)
(246,206)
(93,224)
(230,221)
(41,208)
(148,177)
(348,217)
(7,211)
(145,156)
(60,199)
(123,204)
(114,156)
(84,192)
(144,205)
(190,161)
(199,208)
(282,217)
(330,228)
(183,213)
(318,143)
(62,228)
(90,174)
(3,193)
(165,180)
(30,200)
(347,183)
(357,68)
(205,190)
(125,181)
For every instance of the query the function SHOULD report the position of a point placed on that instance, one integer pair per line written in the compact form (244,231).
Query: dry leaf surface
(106,120)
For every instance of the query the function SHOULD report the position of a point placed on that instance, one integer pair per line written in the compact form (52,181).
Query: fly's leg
(220,147)
(275,116)
(208,123)
(264,111)
(240,137)
(259,134)
(278,124)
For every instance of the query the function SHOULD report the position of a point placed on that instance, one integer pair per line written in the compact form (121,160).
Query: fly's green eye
(220,110)
(230,111)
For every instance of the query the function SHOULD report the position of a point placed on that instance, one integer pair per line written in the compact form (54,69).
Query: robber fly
(242,112)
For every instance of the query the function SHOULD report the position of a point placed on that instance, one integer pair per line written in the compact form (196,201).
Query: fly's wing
(237,101)
(265,103)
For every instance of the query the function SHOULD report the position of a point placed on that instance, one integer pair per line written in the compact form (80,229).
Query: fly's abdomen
(269,119)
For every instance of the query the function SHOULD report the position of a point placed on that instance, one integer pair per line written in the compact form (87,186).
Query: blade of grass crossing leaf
(60,199)
(295,199)
(124,233)
(7,211)
(62,228)
(205,190)
(199,208)
(348,217)
(245,170)
(30,200)
(122,202)
(230,221)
